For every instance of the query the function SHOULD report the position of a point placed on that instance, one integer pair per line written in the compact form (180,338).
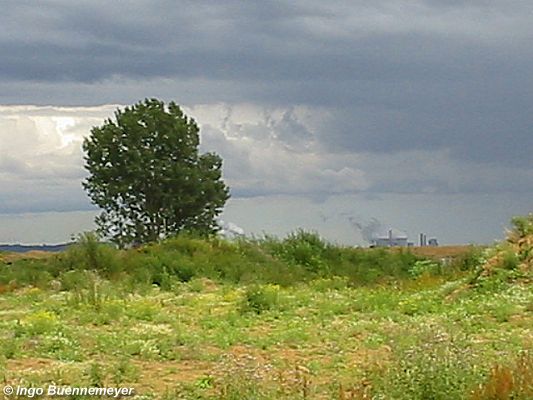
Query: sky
(343,117)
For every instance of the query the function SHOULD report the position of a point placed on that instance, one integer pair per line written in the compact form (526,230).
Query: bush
(302,248)
(425,267)
(301,257)
(39,323)
(327,284)
(259,298)
(522,226)
(93,292)
(438,368)
(468,261)
(513,382)
(25,273)
(90,254)
(511,260)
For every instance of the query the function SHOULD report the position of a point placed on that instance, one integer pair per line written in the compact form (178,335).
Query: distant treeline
(21,248)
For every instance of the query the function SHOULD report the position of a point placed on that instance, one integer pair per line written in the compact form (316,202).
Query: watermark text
(62,391)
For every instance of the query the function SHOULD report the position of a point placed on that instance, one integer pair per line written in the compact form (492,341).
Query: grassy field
(399,327)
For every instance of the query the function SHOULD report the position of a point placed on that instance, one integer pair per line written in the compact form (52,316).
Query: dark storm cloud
(260,41)
(390,75)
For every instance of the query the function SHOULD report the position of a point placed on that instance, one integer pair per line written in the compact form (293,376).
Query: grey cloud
(293,132)
(420,171)
(261,158)
(22,196)
(297,41)
(259,164)
(478,135)
(379,80)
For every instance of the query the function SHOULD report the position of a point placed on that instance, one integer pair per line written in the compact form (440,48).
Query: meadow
(298,318)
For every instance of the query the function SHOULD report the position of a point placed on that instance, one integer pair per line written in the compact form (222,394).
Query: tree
(147,175)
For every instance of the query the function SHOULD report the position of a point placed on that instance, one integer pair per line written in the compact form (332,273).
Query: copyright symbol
(8,390)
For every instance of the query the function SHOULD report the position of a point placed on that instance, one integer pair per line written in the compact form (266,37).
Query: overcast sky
(335,116)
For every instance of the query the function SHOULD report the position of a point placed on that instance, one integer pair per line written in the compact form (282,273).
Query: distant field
(442,251)
(30,255)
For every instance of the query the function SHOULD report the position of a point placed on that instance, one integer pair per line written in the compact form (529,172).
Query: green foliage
(502,312)
(95,293)
(301,257)
(326,284)
(499,267)
(148,177)
(439,368)
(523,225)
(96,375)
(425,267)
(303,248)
(315,257)
(510,261)
(508,382)
(124,371)
(260,298)
(89,253)
(469,261)
(231,332)
(39,323)
(143,310)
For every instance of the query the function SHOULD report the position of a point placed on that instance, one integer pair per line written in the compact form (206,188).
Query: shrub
(24,273)
(301,248)
(512,260)
(438,368)
(90,254)
(326,284)
(96,375)
(259,298)
(522,226)
(469,261)
(75,279)
(425,267)
(92,291)
(38,323)
(513,382)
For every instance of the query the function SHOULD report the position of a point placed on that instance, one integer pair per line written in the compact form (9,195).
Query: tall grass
(300,257)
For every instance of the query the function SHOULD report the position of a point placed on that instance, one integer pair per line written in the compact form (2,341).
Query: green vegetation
(148,177)
(298,318)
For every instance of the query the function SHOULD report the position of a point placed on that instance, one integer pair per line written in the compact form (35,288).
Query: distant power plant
(395,238)
(392,239)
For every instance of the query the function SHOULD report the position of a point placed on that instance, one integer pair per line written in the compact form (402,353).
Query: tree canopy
(148,177)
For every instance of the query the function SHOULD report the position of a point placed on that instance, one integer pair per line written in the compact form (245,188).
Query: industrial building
(395,238)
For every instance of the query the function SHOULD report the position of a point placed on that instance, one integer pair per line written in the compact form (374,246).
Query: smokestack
(390,237)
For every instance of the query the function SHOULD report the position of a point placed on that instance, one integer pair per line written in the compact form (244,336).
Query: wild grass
(301,257)
(297,318)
